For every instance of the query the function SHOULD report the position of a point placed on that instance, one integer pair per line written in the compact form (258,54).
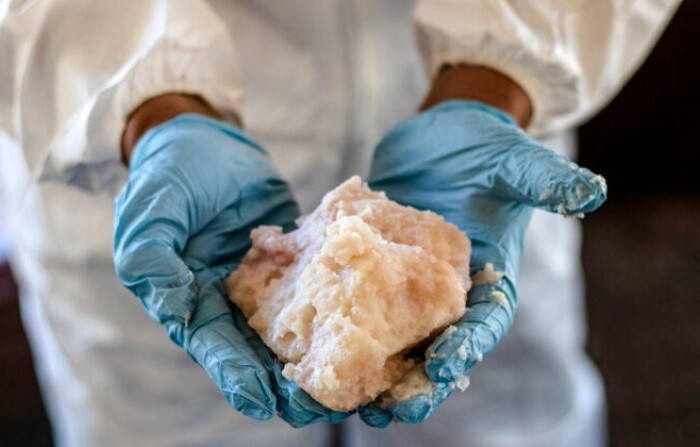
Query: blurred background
(641,251)
(641,254)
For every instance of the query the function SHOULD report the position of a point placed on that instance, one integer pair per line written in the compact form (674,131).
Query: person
(89,88)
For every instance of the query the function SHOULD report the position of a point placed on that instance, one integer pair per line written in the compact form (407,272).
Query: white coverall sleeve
(72,71)
(570,56)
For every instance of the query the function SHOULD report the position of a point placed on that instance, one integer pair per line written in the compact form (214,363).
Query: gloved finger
(421,406)
(294,405)
(412,410)
(490,310)
(233,367)
(151,231)
(215,342)
(374,416)
(539,177)
(225,239)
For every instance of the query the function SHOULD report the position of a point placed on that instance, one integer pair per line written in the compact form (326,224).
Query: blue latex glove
(196,189)
(474,166)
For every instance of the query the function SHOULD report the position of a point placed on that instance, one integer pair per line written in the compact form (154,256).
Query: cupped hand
(471,164)
(197,187)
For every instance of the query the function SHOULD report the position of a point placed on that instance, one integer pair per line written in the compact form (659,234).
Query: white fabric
(571,57)
(324,81)
(5,198)
(73,72)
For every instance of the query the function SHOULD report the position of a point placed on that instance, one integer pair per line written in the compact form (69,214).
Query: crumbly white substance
(462,352)
(343,298)
(463,383)
(561,209)
(500,298)
(601,181)
(486,276)
(415,382)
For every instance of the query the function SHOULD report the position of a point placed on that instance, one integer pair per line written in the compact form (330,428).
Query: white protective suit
(324,80)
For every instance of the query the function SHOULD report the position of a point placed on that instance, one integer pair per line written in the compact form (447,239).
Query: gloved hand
(197,187)
(472,164)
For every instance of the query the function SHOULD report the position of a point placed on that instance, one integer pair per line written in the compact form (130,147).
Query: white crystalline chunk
(463,383)
(462,352)
(487,276)
(500,298)
(342,299)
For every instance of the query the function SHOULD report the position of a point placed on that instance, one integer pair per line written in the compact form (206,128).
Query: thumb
(151,231)
(539,177)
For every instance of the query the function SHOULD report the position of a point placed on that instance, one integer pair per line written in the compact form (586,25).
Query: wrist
(156,111)
(480,84)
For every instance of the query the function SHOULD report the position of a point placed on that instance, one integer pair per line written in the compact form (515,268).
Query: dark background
(641,253)
(641,250)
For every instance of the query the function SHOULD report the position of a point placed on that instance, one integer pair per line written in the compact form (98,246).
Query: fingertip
(541,178)
(339,416)
(443,372)
(233,367)
(299,409)
(415,411)
(441,366)
(422,406)
(374,416)
(597,192)
(582,192)
(251,408)
(248,394)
